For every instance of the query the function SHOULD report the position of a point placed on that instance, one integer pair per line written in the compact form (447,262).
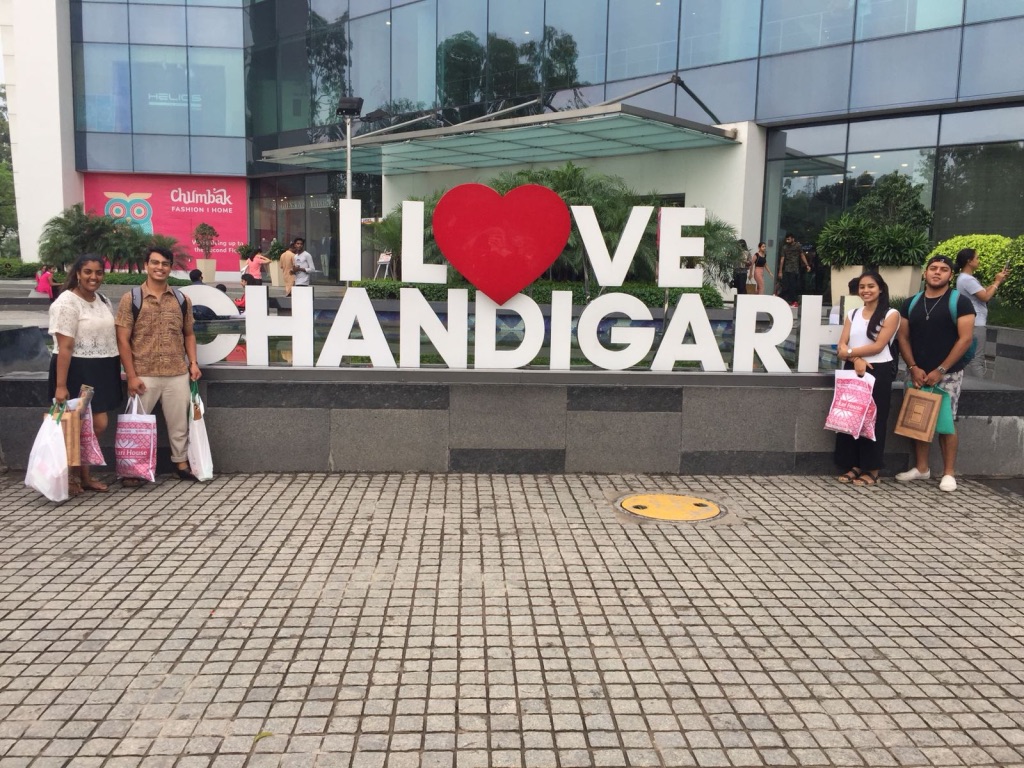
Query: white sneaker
(947,483)
(915,474)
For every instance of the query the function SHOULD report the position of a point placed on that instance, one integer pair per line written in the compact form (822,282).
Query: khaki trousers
(174,395)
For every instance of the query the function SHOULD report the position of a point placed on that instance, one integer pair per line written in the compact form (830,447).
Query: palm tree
(74,232)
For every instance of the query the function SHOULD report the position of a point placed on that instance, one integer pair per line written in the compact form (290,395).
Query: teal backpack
(954,297)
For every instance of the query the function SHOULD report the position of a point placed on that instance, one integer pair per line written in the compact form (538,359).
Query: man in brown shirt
(287,265)
(158,352)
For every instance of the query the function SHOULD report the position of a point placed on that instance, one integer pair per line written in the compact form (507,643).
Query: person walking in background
(85,346)
(966,283)
(792,266)
(287,265)
(253,274)
(303,267)
(760,265)
(158,351)
(742,269)
(864,346)
(933,343)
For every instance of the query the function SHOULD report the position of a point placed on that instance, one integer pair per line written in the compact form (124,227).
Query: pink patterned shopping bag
(91,453)
(135,442)
(851,404)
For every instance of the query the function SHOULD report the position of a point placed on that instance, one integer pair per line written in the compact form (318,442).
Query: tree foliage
(205,237)
(76,231)
(9,245)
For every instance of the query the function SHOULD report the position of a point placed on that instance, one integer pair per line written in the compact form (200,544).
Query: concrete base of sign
(437,420)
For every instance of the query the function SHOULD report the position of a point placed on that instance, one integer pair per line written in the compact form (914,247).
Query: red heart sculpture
(501,244)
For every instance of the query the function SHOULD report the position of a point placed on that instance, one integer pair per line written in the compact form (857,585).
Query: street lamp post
(349,107)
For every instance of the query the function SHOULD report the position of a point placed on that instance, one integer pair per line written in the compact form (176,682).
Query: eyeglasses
(161,264)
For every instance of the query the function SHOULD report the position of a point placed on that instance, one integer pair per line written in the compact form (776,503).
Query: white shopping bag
(200,460)
(48,461)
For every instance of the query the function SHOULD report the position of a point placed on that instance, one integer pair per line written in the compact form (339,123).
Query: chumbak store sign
(501,245)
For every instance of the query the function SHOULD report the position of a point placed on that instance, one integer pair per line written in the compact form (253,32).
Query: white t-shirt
(89,323)
(304,260)
(859,336)
(969,285)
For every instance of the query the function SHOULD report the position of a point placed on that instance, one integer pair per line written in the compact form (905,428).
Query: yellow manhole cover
(670,506)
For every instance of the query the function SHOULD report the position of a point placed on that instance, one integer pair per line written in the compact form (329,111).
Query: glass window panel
(156,2)
(979,126)
(328,11)
(917,69)
(223,3)
(895,133)
(157,24)
(515,38)
(221,156)
(293,85)
(642,38)
(817,140)
(728,90)
(366,7)
(105,151)
(977,189)
(327,53)
(993,60)
(261,89)
(801,195)
(292,18)
(789,25)
(984,10)
(413,54)
(104,23)
(661,99)
(161,154)
(916,164)
(576,32)
(102,85)
(160,100)
(216,27)
(371,57)
(804,84)
(577,98)
(710,33)
(461,56)
(262,24)
(217,91)
(879,18)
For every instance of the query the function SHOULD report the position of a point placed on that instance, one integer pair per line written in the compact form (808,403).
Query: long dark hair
(883,302)
(71,281)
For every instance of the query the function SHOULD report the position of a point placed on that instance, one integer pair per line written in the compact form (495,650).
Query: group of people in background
(800,270)
(296,264)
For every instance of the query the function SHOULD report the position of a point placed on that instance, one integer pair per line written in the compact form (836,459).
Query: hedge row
(994,252)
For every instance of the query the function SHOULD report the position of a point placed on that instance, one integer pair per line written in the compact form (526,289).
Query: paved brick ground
(463,620)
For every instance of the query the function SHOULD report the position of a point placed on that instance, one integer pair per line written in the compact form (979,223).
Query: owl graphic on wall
(133,208)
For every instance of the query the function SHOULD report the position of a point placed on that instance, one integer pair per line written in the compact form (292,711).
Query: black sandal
(849,477)
(184,474)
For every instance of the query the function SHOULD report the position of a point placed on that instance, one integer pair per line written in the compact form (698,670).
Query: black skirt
(101,373)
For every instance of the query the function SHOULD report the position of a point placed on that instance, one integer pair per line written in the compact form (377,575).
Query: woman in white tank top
(864,347)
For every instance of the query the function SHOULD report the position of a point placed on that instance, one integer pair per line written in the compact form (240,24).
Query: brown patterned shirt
(158,334)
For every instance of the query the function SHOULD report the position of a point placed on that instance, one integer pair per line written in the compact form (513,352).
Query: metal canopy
(604,131)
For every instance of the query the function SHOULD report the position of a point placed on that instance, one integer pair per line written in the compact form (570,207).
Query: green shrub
(540,291)
(16,268)
(993,253)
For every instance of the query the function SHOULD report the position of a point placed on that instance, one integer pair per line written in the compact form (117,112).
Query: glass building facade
(847,89)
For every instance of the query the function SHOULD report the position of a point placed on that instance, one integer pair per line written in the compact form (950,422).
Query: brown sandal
(849,477)
(867,480)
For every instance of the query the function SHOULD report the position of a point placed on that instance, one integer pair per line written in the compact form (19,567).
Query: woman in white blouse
(864,345)
(85,346)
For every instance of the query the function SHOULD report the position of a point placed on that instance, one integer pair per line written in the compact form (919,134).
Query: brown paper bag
(918,414)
